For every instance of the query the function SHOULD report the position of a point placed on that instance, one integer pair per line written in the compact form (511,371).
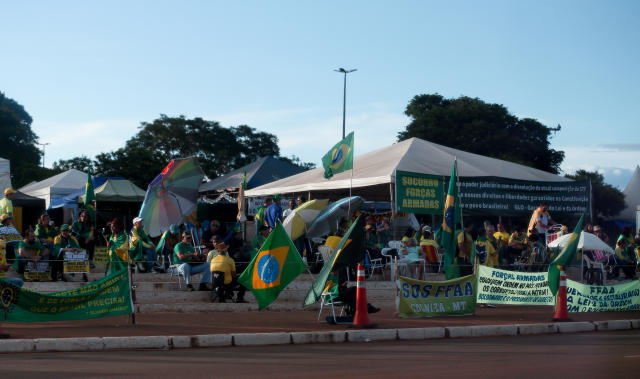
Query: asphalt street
(582,355)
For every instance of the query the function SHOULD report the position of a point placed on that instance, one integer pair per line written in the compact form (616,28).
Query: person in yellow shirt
(6,205)
(485,250)
(465,244)
(225,279)
(517,245)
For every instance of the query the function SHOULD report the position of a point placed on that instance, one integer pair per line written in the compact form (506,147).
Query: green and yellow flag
(90,198)
(350,250)
(339,158)
(452,216)
(565,257)
(276,265)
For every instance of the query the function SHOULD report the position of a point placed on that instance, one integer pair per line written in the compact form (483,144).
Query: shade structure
(171,195)
(299,220)
(587,241)
(327,220)
(117,190)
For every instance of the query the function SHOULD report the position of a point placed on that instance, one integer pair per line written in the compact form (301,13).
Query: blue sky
(89,72)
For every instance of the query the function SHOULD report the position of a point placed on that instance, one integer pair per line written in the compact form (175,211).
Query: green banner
(586,298)
(497,286)
(489,195)
(417,298)
(419,193)
(109,296)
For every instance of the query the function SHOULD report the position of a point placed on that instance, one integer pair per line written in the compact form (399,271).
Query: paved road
(591,355)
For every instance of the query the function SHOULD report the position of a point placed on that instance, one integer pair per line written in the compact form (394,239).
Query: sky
(89,72)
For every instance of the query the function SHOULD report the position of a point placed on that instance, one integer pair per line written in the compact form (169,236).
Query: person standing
(274,212)
(6,205)
(118,246)
(540,220)
(141,247)
(465,243)
(83,230)
(259,218)
(287,212)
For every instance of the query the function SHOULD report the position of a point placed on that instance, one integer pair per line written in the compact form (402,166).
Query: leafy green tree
(82,163)
(19,143)
(607,201)
(472,125)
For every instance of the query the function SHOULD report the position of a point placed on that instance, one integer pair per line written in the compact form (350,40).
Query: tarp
(262,171)
(377,168)
(22,200)
(121,190)
(5,176)
(55,188)
(631,198)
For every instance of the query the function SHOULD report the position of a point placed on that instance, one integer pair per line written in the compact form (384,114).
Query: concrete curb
(285,338)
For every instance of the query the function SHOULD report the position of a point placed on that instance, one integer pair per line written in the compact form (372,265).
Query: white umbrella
(587,241)
(299,219)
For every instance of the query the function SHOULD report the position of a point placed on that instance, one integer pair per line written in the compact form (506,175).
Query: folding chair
(329,296)
(173,270)
(375,264)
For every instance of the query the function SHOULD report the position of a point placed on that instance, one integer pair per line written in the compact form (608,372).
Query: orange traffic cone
(361,319)
(562,314)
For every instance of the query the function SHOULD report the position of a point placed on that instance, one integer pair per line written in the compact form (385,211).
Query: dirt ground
(150,324)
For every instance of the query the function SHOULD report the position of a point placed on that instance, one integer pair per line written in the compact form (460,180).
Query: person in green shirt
(118,246)
(29,249)
(167,242)
(45,232)
(141,248)
(625,255)
(61,243)
(259,240)
(190,263)
(83,230)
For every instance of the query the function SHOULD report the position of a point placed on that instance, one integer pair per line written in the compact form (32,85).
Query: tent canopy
(631,198)
(55,188)
(377,168)
(5,176)
(121,190)
(262,171)
(587,241)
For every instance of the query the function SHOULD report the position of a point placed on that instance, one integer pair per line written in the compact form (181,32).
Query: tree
(81,163)
(218,149)
(606,200)
(19,143)
(472,125)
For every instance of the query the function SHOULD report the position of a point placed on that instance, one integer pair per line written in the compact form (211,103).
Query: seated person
(61,243)
(343,227)
(371,242)
(118,246)
(225,279)
(425,240)
(4,266)
(623,259)
(263,233)
(141,248)
(83,230)
(30,249)
(213,252)
(348,295)
(213,230)
(237,249)
(167,242)
(10,235)
(45,232)
(516,246)
(191,263)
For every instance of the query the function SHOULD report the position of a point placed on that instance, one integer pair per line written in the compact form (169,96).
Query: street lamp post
(344,95)
(43,147)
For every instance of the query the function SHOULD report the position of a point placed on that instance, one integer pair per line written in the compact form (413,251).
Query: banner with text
(419,193)
(417,298)
(586,298)
(497,286)
(512,197)
(109,296)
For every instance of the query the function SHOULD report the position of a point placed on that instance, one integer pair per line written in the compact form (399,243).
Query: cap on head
(426,228)
(137,220)
(9,191)
(5,217)
(64,227)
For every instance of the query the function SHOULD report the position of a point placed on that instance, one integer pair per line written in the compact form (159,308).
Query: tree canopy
(20,143)
(218,149)
(472,125)
(607,201)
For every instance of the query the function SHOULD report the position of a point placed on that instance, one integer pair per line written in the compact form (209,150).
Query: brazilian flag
(350,250)
(90,198)
(452,216)
(339,158)
(276,265)
(565,257)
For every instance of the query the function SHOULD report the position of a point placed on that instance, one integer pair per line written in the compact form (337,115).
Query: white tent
(377,168)
(5,175)
(631,197)
(55,188)
(587,241)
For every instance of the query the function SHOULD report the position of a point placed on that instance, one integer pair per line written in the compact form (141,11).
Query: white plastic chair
(328,298)
(375,264)
(173,271)
(325,252)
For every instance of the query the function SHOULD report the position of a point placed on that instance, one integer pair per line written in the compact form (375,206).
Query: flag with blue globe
(276,265)
(339,158)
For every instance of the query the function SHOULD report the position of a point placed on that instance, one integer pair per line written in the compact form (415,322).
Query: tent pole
(393,211)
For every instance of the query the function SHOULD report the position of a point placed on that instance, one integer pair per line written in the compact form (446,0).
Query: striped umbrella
(327,220)
(299,219)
